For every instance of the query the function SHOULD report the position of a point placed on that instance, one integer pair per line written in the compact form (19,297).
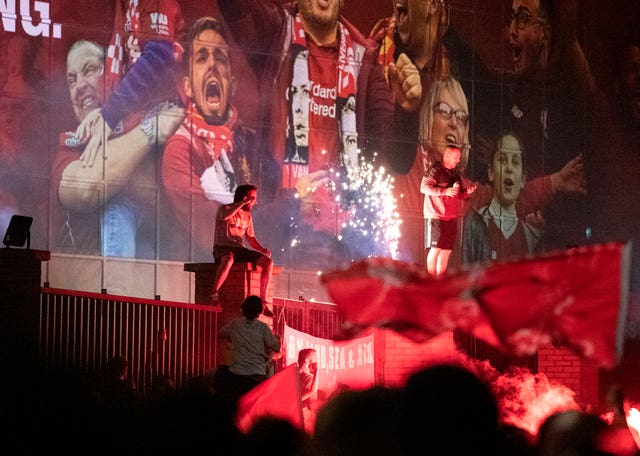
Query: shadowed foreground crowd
(441,410)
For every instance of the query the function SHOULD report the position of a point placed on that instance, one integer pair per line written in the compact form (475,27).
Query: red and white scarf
(218,138)
(348,69)
(347,65)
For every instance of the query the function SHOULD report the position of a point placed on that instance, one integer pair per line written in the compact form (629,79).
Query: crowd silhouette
(442,409)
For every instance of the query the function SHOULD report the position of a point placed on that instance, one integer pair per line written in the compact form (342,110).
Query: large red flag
(390,293)
(278,396)
(575,297)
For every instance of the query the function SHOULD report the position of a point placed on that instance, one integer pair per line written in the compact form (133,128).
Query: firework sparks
(366,195)
(362,212)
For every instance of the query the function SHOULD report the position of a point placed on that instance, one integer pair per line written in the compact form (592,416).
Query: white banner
(340,363)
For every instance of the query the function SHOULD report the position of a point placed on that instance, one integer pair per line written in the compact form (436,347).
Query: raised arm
(85,186)
(256,26)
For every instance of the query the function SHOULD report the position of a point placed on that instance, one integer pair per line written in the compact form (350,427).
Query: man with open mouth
(548,101)
(210,154)
(314,144)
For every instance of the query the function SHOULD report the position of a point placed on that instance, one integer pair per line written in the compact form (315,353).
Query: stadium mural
(125,124)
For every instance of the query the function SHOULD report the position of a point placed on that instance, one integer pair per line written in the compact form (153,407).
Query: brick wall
(561,365)
(398,357)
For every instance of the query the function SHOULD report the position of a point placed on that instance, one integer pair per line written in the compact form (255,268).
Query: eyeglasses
(447,111)
(522,19)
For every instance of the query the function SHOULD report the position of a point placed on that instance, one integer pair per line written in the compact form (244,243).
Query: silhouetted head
(252,307)
(273,432)
(363,422)
(448,410)
(117,367)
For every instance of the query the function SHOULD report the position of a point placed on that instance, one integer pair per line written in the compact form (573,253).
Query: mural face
(85,77)
(210,84)
(507,171)
(450,122)
(528,37)
(124,159)
(299,94)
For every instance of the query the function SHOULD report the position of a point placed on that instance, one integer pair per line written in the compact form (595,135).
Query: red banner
(576,297)
(277,396)
(340,364)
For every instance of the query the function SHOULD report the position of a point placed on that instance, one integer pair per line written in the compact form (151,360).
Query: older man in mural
(340,66)
(148,38)
(125,181)
(210,154)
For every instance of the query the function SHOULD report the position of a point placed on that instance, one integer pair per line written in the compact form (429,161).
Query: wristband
(147,127)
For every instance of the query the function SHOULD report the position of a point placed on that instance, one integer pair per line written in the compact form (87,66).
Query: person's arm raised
(85,186)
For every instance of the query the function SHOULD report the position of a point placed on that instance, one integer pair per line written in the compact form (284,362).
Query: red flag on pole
(115,52)
(576,297)
(278,396)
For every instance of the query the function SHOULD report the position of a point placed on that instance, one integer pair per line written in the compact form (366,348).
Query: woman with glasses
(444,121)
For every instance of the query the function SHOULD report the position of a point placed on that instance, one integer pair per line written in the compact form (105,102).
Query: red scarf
(348,66)
(216,137)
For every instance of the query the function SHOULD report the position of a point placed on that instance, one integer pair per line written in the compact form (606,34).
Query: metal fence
(318,319)
(81,331)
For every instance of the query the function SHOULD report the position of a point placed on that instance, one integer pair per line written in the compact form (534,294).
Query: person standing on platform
(325,106)
(443,190)
(234,226)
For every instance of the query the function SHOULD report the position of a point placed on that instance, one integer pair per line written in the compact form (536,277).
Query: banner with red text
(340,363)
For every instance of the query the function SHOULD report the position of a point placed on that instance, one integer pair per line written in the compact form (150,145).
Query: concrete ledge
(238,266)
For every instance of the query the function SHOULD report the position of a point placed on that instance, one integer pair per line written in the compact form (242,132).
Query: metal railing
(318,319)
(81,331)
